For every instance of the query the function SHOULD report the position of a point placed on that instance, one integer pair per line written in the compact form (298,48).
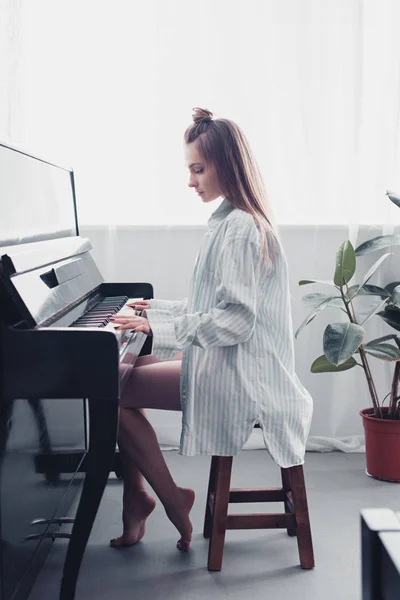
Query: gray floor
(257,564)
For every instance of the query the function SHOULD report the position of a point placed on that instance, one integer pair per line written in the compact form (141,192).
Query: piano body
(62,368)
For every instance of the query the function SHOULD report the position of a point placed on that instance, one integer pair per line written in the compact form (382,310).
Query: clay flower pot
(382,446)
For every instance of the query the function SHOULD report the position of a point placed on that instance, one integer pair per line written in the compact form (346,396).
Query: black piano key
(86,319)
(92,319)
(117,300)
(89,321)
(100,314)
(103,310)
(91,324)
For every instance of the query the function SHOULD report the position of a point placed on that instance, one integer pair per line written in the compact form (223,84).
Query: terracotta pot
(382,446)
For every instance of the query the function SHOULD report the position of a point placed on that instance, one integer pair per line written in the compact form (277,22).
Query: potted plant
(345,347)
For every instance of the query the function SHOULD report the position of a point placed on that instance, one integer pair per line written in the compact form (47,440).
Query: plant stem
(393,407)
(393,393)
(352,319)
(367,370)
(371,385)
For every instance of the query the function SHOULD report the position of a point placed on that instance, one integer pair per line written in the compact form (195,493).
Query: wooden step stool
(295,519)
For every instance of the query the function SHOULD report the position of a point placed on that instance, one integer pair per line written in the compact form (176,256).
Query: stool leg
(211,489)
(304,540)
(217,539)
(287,486)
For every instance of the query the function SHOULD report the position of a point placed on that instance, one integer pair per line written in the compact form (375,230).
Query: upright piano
(62,369)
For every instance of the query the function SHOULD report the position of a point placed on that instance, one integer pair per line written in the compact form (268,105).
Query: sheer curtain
(108,88)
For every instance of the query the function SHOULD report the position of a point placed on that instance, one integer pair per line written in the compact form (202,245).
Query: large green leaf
(391,286)
(391,317)
(373,312)
(307,281)
(378,243)
(311,316)
(323,365)
(371,271)
(396,296)
(395,198)
(345,264)
(313,300)
(341,340)
(362,310)
(337,302)
(390,336)
(368,290)
(383,351)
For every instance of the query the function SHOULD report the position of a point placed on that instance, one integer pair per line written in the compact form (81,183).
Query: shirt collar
(221,213)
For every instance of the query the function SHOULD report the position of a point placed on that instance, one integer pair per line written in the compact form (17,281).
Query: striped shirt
(235,330)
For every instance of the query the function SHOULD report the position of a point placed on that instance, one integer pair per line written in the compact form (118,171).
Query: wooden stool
(295,518)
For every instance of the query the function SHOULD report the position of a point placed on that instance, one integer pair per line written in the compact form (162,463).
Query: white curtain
(108,88)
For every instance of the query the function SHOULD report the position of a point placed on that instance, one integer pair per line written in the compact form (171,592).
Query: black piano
(62,369)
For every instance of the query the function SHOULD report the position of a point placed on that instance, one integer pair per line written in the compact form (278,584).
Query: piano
(58,347)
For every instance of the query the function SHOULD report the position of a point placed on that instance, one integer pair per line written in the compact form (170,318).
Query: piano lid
(50,290)
(37,199)
(25,257)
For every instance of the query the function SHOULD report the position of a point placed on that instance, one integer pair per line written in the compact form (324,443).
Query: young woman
(235,331)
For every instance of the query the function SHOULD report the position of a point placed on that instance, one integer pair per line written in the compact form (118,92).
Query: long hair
(222,143)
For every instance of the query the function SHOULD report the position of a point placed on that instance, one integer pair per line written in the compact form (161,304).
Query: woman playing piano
(235,334)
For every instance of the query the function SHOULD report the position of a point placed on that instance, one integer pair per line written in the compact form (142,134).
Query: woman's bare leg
(137,503)
(153,385)
(140,444)
(135,480)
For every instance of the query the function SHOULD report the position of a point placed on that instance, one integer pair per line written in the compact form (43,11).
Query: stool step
(257,495)
(261,521)
(236,496)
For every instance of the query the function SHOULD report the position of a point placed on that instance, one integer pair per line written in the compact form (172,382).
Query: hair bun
(202,114)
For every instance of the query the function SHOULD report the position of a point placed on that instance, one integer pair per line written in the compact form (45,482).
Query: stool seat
(217,521)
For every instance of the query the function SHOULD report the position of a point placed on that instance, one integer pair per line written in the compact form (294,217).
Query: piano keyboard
(101,313)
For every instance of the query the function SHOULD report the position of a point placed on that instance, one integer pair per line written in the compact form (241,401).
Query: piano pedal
(52,534)
(57,521)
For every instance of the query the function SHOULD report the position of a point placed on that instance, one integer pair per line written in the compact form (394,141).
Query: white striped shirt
(235,329)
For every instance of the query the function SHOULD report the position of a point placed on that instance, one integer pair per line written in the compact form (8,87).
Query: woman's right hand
(139,305)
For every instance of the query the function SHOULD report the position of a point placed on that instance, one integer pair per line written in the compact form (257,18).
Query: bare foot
(179,516)
(137,507)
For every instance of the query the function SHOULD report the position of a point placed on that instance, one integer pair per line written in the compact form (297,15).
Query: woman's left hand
(131,322)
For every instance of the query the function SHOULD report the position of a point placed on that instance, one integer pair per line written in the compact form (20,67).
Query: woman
(235,331)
